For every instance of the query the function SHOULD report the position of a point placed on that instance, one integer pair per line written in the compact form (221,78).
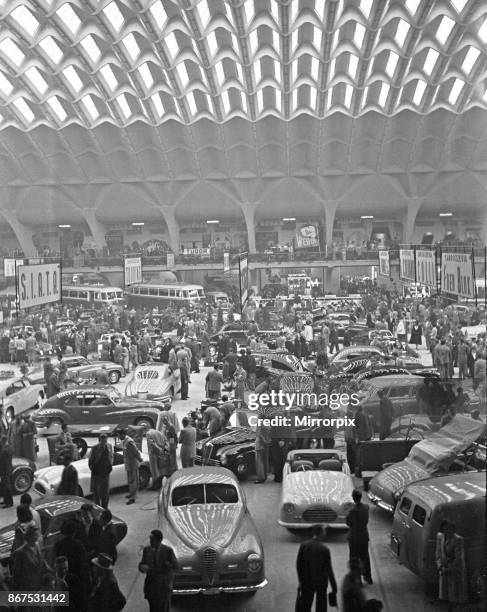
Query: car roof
(314,452)
(83,389)
(202,475)
(447,489)
(394,379)
(58,504)
(6,382)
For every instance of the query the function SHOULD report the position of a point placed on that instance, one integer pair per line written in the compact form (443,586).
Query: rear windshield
(214,493)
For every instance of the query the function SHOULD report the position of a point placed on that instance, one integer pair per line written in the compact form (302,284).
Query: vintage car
(82,368)
(92,406)
(348,354)
(107,337)
(54,512)
(18,394)
(47,480)
(451,449)
(155,381)
(316,488)
(22,475)
(205,520)
(234,449)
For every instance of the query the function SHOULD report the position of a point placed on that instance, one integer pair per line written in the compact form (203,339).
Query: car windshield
(214,493)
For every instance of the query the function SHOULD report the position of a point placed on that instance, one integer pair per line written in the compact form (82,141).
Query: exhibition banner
(407,269)
(243,273)
(226,262)
(457,274)
(170,260)
(307,237)
(426,268)
(384,264)
(9,266)
(132,270)
(38,284)
(201,251)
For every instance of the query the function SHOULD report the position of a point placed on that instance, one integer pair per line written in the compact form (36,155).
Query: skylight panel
(459,5)
(384,92)
(57,108)
(366,7)
(455,91)
(183,73)
(244,102)
(315,68)
(254,41)
(204,12)
(276,67)
(391,63)
(470,59)
(192,103)
(295,99)
(12,51)
(412,6)
(73,79)
(444,29)
(124,105)
(24,109)
(333,64)
(220,73)
(294,41)
(430,61)
(317,38)
(419,92)
(329,98)
(69,18)
(36,79)
(25,19)
(114,16)
(146,75)
(294,67)
(172,44)
(312,97)
(294,10)
(109,77)
(90,106)
(226,101)
(131,46)
(157,102)
(212,43)
(239,71)
(359,35)
(347,100)
(353,66)
(158,13)
(483,31)
(401,32)
(364,96)
(260,100)
(257,72)
(6,86)
(275,11)
(91,48)
(320,8)
(51,49)
(278,100)
(276,43)
(335,38)
(249,10)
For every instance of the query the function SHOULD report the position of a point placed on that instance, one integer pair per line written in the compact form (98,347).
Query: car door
(415,538)
(401,527)
(95,408)
(74,407)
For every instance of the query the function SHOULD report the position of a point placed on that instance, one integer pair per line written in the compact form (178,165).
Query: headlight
(288,508)
(254,562)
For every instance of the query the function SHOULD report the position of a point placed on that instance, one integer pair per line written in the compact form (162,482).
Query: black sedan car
(233,449)
(54,513)
(90,407)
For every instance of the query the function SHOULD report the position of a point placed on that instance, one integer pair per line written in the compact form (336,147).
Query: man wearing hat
(100,463)
(106,594)
(131,460)
(159,565)
(29,566)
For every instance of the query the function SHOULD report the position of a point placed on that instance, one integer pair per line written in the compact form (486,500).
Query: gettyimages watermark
(285,401)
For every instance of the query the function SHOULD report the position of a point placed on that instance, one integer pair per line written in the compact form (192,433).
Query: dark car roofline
(443,485)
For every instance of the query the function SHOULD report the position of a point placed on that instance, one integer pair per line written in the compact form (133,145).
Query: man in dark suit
(5,472)
(69,477)
(314,571)
(100,463)
(358,535)
(159,566)
(104,537)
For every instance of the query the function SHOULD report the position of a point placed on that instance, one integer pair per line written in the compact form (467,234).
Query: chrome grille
(207,453)
(320,514)
(209,562)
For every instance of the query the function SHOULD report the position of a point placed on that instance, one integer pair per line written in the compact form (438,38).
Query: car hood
(200,525)
(317,487)
(52,475)
(390,482)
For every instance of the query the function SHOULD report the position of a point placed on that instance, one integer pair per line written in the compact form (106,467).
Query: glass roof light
(483,31)
(359,35)
(25,19)
(315,69)
(190,99)
(320,8)
(114,16)
(317,38)
(249,11)
(158,13)
(158,105)
(444,29)
(109,77)
(366,7)
(172,45)
(419,92)
(455,91)
(459,5)
(391,63)
(470,59)
(146,75)
(6,86)
(69,18)
(131,46)
(12,51)
(226,101)
(51,49)
(348,96)
(24,109)
(412,6)
(90,107)
(36,79)
(384,92)
(57,108)
(401,32)
(73,78)
(430,61)
(204,12)
(124,106)
(353,66)
(91,48)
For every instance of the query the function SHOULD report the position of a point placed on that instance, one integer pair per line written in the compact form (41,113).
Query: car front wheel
(114,377)
(22,481)
(145,422)
(241,470)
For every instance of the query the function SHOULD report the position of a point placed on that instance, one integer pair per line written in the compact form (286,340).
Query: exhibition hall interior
(243,274)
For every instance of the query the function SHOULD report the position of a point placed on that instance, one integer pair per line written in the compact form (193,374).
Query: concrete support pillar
(97,229)
(413,206)
(23,234)
(329,210)
(248,209)
(169,214)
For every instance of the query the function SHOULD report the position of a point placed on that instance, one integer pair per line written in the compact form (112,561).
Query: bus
(92,296)
(151,295)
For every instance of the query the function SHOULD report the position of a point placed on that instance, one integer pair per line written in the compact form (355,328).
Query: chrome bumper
(377,501)
(217,590)
(339,525)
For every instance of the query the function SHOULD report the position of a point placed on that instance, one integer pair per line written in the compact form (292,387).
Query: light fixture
(429,233)
(367,216)
(289,218)
(213,221)
(446,215)
(64,225)
(138,223)
(449,233)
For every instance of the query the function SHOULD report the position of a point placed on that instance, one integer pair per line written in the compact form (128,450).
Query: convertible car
(316,488)
(156,381)
(204,518)
(47,480)
(54,512)
(17,394)
(234,449)
(453,448)
(82,368)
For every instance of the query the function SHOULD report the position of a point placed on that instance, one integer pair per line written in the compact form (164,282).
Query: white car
(155,381)
(17,395)
(47,480)
(316,489)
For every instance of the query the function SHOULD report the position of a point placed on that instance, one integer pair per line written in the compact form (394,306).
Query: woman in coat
(158,448)
(240,377)
(450,561)
(28,431)
(169,432)
(15,436)
(416,334)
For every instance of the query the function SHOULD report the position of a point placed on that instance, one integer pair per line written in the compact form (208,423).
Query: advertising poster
(307,237)
(407,266)
(132,270)
(384,264)
(38,284)
(426,268)
(457,274)
(226,262)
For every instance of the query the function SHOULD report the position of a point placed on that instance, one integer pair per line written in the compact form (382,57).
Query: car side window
(100,400)
(419,514)
(398,392)
(405,506)
(74,401)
